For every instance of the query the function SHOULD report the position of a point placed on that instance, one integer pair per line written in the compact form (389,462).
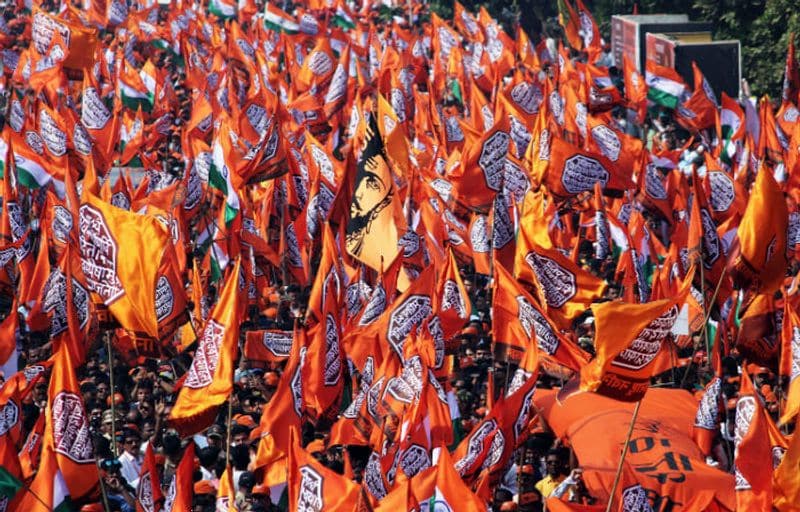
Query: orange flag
(66,299)
(752,451)
(209,380)
(29,455)
(759,258)
(569,20)
(312,486)
(664,459)
(271,345)
(572,170)
(48,490)
(284,411)
(67,468)
(706,421)
(148,490)
(8,341)
(790,357)
(628,339)
(226,494)
(181,487)
(12,393)
(322,373)
(451,302)
(69,426)
(786,486)
(480,176)
(757,339)
(492,441)
(123,279)
(564,290)
(518,324)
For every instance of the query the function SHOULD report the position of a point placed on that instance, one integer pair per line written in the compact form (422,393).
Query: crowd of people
(331,255)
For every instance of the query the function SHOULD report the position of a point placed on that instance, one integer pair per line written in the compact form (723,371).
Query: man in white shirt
(131,458)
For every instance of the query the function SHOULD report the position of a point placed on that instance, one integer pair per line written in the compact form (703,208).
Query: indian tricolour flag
(455,417)
(61,499)
(212,242)
(48,490)
(222,9)
(137,89)
(30,173)
(3,157)
(277,20)
(219,177)
(342,19)
(664,86)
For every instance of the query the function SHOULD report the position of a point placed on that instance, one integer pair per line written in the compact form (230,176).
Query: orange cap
(260,489)
(244,419)
(316,446)
(204,487)
(255,434)
(271,379)
(470,330)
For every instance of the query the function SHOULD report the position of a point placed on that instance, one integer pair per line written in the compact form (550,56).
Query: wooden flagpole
(622,456)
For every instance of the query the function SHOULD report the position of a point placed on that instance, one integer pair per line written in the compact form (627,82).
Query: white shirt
(131,467)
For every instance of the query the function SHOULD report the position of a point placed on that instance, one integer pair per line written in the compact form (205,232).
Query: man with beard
(370,223)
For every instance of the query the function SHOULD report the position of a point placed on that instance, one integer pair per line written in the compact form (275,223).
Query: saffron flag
(628,338)
(312,486)
(752,443)
(122,278)
(148,489)
(209,381)
(180,489)
(663,458)
(519,325)
(758,260)
(564,290)
(786,486)
(67,469)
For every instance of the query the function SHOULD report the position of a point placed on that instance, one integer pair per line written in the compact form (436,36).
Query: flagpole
(230,406)
(706,316)
(113,401)
(283,256)
(705,307)
(622,456)
(102,490)
(228,441)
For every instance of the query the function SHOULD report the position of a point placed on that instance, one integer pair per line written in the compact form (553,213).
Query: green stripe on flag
(9,485)
(230,213)
(221,10)
(65,506)
(216,272)
(216,180)
(662,98)
(342,21)
(134,99)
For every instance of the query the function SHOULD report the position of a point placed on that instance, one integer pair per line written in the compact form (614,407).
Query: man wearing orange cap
(205,496)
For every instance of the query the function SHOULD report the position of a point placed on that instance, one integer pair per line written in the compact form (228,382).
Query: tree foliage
(762,26)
